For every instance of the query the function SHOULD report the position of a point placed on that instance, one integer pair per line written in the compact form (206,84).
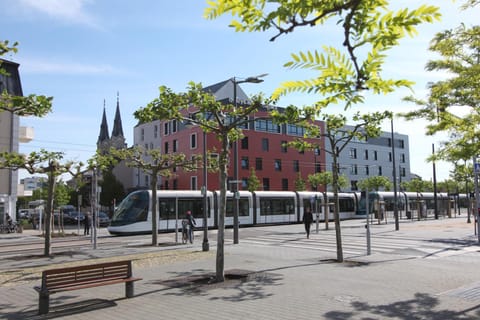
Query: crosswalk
(353,244)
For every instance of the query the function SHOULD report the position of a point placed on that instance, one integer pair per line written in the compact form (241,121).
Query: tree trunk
(48,213)
(220,265)
(336,214)
(154,210)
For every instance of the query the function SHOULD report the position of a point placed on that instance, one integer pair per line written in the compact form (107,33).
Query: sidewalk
(274,282)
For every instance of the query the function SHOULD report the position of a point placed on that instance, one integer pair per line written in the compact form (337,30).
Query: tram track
(36,246)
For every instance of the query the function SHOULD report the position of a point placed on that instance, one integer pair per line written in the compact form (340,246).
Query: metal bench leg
(43,303)
(129,289)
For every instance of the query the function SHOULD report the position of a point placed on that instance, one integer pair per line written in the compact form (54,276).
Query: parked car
(72,217)
(103,219)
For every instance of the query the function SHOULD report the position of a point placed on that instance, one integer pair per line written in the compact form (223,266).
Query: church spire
(117,124)
(103,136)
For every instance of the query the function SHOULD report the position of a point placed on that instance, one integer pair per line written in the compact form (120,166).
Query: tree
(42,162)
(112,189)
(375,183)
(459,51)
(253,183)
(417,185)
(366,31)
(21,106)
(324,179)
(226,121)
(300,184)
(338,135)
(155,164)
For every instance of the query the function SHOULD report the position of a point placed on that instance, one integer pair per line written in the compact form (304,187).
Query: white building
(11,134)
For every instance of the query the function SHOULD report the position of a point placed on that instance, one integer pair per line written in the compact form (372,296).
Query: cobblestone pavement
(426,270)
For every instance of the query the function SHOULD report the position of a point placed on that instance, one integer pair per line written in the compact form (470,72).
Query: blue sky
(83,52)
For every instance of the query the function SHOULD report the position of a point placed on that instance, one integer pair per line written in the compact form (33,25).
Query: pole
(476,168)
(367,226)
(435,204)
(395,207)
(205,244)
(235,173)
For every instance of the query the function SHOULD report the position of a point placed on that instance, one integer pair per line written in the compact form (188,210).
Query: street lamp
(236,196)
(205,244)
(395,207)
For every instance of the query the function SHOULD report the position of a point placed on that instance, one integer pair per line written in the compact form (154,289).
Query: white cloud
(66,10)
(41,66)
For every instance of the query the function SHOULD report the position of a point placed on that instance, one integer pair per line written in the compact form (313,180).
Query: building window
(147,181)
(143,134)
(295,130)
(245,164)
(193,183)
(296,166)
(283,147)
(401,144)
(266,184)
(354,169)
(174,126)
(402,158)
(375,155)
(278,165)
(155,131)
(244,143)
(380,171)
(403,172)
(151,145)
(193,141)
(353,153)
(318,167)
(285,184)
(390,157)
(175,145)
(265,144)
(367,170)
(166,127)
(267,125)
(175,184)
(365,155)
(165,148)
(258,164)
(244,183)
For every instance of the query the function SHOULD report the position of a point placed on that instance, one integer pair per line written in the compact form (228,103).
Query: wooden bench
(81,277)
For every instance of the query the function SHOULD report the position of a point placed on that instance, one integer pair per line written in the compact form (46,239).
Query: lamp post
(236,195)
(205,244)
(395,207)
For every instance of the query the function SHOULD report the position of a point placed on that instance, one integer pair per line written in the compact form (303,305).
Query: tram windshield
(134,208)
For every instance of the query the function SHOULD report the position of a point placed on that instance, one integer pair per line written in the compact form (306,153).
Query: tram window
(243,208)
(276,206)
(346,204)
(133,209)
(166,208)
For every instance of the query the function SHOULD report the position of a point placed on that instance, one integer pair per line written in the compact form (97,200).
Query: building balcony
(25,134)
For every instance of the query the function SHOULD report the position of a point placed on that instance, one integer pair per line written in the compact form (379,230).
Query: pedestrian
(191,223)
(86,223)
(307,220)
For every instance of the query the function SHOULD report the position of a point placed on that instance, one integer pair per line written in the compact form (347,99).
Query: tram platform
(425,270)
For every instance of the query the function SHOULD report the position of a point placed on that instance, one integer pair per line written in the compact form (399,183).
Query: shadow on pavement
(422,306)
(63,310)
(248,285)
